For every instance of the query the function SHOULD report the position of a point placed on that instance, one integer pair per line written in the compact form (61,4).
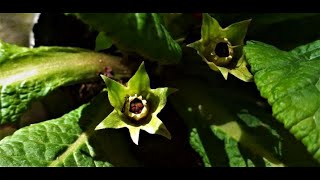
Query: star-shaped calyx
(136,105)
(222,48)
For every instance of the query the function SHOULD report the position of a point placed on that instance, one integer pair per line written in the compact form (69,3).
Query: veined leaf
(142,33)
(69,141)
(217,132)
(29,74)
(291,83)
(228,125)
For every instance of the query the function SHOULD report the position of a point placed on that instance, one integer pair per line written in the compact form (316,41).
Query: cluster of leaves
(266,114)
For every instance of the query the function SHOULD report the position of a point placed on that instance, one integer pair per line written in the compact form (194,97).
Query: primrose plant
(93,106)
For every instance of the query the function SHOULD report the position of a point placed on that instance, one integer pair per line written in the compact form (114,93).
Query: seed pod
(221,48)
(136,107)
(134,102)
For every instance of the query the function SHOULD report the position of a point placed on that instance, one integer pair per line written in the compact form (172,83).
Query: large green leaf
(102,42)
(69,141)
(229,123)
(216,132)
(291,83)
(179,24)
(142,33)
(29,74)
(228,128)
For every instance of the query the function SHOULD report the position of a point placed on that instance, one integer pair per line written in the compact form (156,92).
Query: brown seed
(136,106)
(140,105)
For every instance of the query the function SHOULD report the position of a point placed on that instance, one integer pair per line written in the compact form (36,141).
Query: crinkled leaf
(69,141)
(206,111)
(212,35)
(29,74)
(290,82)
(233,152)
(230,128)
(197,145)
(102,42)
(142,33)
(224,101)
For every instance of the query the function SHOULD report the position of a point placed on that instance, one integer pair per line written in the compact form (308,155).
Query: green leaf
(290,82)
(221,48)
(235,156)
(209,113)
(102,42)
(178,24)
(225,101)
(232,126)
(69,141)
(30,74)
(142,33)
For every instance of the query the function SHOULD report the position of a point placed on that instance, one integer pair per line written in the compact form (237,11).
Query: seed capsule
(136,107)
(221,52)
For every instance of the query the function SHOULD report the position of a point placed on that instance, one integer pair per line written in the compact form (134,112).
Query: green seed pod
(220,53)
(136,105)
(221,48)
